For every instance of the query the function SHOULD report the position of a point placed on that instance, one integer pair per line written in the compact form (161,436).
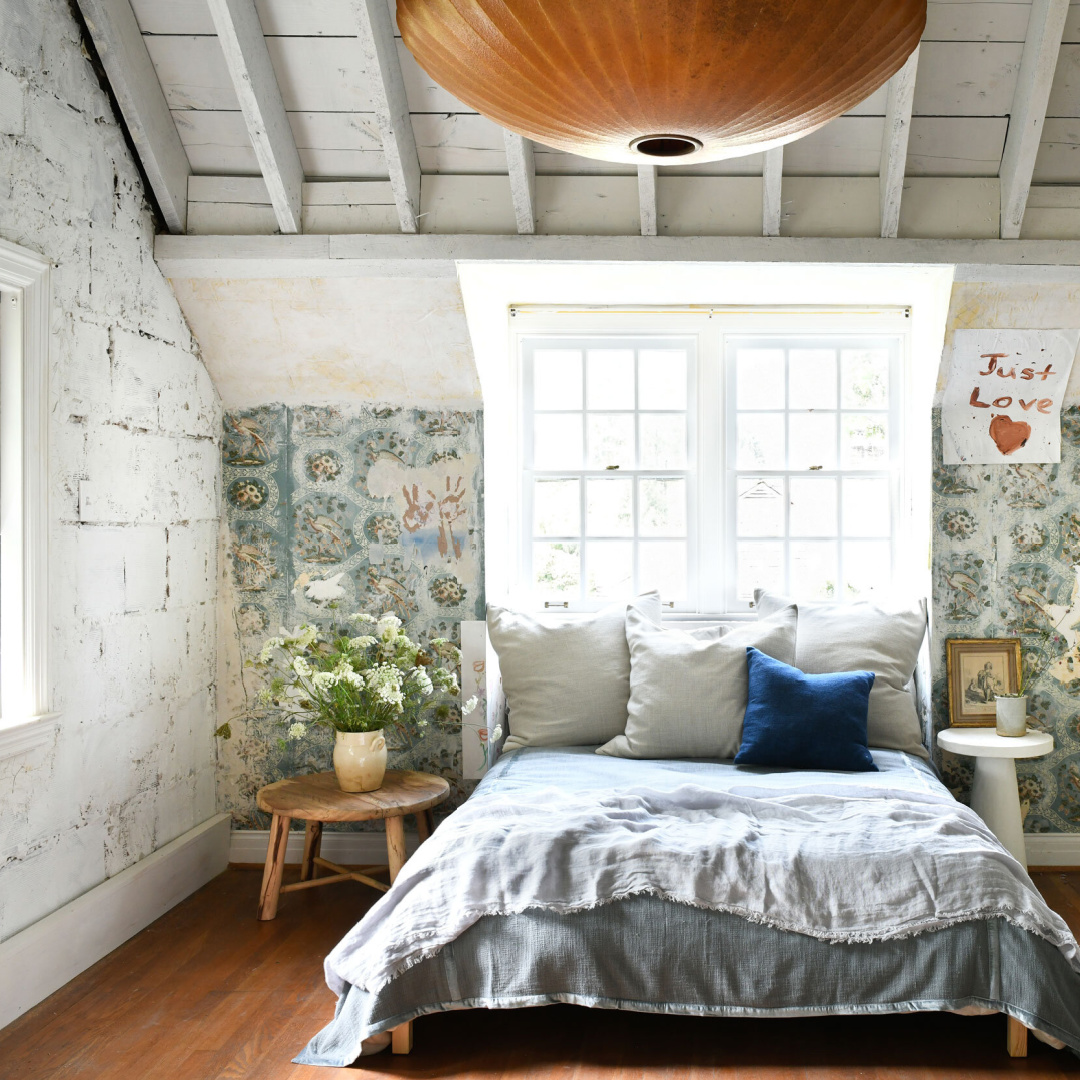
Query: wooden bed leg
(1018,1038)
(401,1039)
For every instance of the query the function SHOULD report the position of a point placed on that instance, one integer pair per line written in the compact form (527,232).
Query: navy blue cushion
(800,721)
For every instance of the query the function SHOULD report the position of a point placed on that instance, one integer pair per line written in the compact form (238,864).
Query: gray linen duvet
(638,941)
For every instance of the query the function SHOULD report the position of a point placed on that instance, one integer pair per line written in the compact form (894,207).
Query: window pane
(557,379)
(813,571)
(866,507)
(662,507)
(611,571)
(662,379)
(812,379)
(609,375)
(813,440)
(863,441)
(556,508)
(611,440)
(759,509)
(761,566)
(864,375)
(608,507)
(662,566)
(867,569)
(813,506)
(759,378)
(663,441)
(557,441)
(557,569)
(761,440)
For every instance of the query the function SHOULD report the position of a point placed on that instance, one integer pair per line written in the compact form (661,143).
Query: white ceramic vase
(1011,716)
(359,760)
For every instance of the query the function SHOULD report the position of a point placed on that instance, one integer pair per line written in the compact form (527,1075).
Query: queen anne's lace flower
(297,730)
(301,667)
(361,617)
(387,627)
(469,705)
(365,641)
(269,647)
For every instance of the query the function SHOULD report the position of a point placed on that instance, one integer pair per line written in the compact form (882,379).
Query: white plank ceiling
(966,81)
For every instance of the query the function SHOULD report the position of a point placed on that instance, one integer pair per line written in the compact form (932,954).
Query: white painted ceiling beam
(391,108)
(894,144)
(432,255)
(646,188)
(1046,25)
(771,184)
(134,82)
(521,164)
(241,37)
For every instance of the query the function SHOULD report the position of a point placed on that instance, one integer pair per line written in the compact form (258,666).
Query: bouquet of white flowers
(373,678)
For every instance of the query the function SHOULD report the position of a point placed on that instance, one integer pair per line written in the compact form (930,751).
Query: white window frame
(26,718)
(711,326)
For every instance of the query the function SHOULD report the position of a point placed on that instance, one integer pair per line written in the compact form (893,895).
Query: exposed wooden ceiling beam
(771,184)
(521,163)
(431,255)
(391,108)
(1046,24)
(134,82)
(894,144)
(646,188)
(241,37)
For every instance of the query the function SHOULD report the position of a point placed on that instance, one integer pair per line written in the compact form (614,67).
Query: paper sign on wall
(1003,396)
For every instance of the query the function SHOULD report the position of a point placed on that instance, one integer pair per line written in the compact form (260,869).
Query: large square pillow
(799,721)
(566,683)
(865,637)
(688,692)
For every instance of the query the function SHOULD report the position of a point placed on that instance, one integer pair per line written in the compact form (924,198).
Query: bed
(702,888)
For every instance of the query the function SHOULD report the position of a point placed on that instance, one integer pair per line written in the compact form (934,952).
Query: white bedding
(840,857)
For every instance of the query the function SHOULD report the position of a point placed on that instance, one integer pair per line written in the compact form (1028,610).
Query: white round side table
(994,796)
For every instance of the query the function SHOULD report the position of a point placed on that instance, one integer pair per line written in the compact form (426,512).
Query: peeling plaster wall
(1005,541)
(135,494)
(324,341)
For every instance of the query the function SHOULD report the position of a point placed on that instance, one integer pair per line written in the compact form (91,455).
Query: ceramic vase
(1011,716)
(359,760)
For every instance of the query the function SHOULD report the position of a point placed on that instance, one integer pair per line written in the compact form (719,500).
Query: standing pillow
(566,683)
(688,693)
(863,636)
(799,721)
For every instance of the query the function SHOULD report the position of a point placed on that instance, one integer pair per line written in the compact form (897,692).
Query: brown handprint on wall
(450,509)
(417,514)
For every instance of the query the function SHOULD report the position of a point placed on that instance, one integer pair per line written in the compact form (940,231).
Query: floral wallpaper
(1006,546)
(367,510)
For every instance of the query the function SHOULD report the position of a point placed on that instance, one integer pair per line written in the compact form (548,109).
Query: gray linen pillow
(884,639)
(688,695)
(567,683)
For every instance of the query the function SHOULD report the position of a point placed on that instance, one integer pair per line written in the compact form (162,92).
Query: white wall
(135,494)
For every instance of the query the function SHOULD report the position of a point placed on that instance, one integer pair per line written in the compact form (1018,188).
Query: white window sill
(30,735)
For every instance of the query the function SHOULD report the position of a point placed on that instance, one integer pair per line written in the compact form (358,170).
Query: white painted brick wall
(135,494)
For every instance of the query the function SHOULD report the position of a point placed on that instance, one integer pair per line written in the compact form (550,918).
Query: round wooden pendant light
(661,80)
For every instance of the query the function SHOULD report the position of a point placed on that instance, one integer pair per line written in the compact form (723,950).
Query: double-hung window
(709,453)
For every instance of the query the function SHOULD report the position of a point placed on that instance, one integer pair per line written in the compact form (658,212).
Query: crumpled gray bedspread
(870,892)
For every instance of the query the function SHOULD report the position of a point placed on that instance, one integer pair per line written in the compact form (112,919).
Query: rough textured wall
(135,501)
(378,509)
(1005,542)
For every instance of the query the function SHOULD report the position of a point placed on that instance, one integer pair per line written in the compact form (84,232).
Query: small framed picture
(978,670)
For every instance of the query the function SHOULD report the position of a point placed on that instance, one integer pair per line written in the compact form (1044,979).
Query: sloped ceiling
(322,340)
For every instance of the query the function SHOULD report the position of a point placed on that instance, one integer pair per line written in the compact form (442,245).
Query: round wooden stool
(316,799)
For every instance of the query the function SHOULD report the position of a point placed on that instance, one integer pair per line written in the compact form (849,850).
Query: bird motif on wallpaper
(965,589)
(331,542)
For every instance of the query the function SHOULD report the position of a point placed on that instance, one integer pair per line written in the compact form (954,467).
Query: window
(24,518)
(608,449)
(706,454)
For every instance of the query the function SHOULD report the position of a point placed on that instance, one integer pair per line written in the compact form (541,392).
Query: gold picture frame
(978,669)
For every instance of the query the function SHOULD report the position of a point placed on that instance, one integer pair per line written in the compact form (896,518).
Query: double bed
(708,889)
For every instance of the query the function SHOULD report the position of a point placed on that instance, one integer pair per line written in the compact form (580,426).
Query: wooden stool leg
(1017,1038)
(422,825)
(312,844)
(401,1037)
(274,868)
